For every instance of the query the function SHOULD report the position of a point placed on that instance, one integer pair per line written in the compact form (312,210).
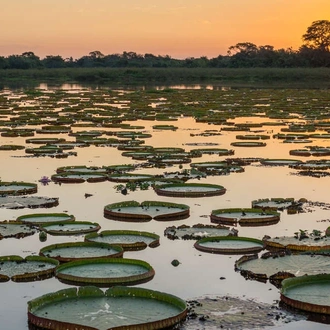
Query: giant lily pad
(245,217)
(15,229)
(65,252)
(117,308)
(20,202)
(307,293)
(127,239)
(31,268)
(273,203)
(43,218)
(70,227)
(79,177)
(190,190)
(197,231)
(105,272)
(229,245)
(288,264)
(17,188)
(297,243)
(145,211)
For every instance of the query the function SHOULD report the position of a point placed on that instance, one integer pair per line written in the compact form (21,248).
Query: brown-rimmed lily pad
(72,251)
(189,190)
(31,268)
(32,202)
(105,272)
(198,231)
(79,177)
(129,240)
(273,203)
(299,242)
(307,293)
(15,229)
(17,188)
(289,265)
(145,211)
(44,218)
(118,307)
(70,228)
(245,217)
(229,245)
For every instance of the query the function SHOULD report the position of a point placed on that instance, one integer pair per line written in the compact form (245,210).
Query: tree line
(315,52)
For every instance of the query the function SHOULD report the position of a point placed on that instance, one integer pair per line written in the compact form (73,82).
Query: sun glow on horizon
(181,29)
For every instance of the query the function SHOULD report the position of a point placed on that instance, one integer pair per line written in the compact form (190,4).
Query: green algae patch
(31,268)
(189,190)
(245,217)
(105,272)
(229,245)
(70,228)
(44,218)
(129,240)
(65,252)
(117,308)
(145,211)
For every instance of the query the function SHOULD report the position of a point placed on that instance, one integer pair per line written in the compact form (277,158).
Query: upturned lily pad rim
(33,276)
(111,213)
(247,250)
(279,161)
(216,191)
(128,246)
(295,282)
(248,144)
(92,177)
(95,227)
(105,281)
(42,215)
(119,250)
(216,216)
(128,177)
(116,291)
(31,188)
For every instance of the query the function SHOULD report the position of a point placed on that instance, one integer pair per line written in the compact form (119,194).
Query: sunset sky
(179,28)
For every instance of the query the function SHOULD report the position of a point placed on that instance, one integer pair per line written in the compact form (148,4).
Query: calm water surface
(198,273)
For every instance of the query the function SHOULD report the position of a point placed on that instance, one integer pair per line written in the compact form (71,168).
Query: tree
(318,35)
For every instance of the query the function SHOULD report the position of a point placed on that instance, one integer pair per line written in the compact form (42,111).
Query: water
(198,273)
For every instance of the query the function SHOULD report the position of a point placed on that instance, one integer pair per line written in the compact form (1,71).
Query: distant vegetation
(130,67)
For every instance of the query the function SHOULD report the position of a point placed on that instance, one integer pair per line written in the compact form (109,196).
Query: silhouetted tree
(318,35)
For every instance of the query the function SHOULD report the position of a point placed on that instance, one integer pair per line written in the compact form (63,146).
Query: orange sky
(179,28)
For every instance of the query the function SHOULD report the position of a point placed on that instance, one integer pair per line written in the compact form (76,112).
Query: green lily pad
(105,272)
(118,307)
(31,268)
(145,211)
(65,252)
(127,239)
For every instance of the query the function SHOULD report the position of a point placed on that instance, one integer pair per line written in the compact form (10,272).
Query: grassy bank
(318,77)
